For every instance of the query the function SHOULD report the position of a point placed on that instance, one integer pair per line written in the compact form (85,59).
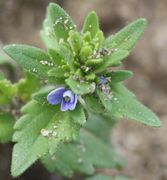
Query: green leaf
(100,125)
(127,37)
(118,76)
(91,24)
(30,58)
(27,86)
(80,156)
(39,132)
(125,105)
(7,91)
(112,60)
(78,114)
(61,22)
(93,104)
(105,99)
(80,88)
(6,127)
(57,72)
(100,177)
(41,96)
(48,39)
(55,56)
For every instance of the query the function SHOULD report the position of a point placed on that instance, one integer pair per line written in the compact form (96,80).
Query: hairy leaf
(39,132)
(30,58)
(118,76)
(61,22)
(80,156)
(124,105)
(127,37)
(91,24)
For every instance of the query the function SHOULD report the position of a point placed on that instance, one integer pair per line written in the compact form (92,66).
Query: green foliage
(91,24)
(6,127)
(27,86)
(30,58)
(118,76)
(127,37)
(79,156)
(39,132)
(80,88)
(60,21)
(7,90)
(112,60)
(123,104)
(82,62)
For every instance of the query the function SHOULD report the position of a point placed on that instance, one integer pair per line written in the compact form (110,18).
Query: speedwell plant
(78,97)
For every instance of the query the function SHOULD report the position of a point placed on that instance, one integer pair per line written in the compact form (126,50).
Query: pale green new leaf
(39,132)
(80,88)
(127,37)
(91,24)
(30,58)
(124,105)
(6,127)
(60,21)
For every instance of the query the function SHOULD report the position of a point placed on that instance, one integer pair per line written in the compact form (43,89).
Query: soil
(145,148)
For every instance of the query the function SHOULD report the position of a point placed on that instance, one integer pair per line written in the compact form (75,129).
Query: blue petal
(64,105)
(74,103)
(69,105)
(56,96)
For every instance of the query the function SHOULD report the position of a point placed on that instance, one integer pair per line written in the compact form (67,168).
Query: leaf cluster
(66,141)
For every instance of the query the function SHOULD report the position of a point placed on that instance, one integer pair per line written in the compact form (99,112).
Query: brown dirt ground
(144,148)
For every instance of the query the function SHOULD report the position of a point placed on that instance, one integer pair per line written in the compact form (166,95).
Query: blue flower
(103,80)
(64,96)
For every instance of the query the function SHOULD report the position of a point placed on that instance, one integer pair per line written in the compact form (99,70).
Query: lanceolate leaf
(91,24)
(39,132)
(80,156)
(112,60)
(61,22)
(118,76)
(6,127)
(127,37)
(124,105)
(31,58)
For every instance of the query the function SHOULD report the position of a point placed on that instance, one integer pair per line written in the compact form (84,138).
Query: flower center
(67,98)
